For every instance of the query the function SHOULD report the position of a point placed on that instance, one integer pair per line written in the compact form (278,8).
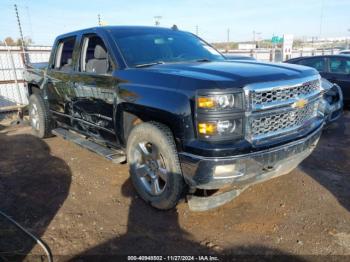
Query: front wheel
(39,115)
(154,165)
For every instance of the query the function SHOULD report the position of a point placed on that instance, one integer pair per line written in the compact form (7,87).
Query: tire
(152,156)
(39,115)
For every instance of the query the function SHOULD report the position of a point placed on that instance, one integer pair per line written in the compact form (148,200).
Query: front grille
(282,121)
(274,111)
(262,98)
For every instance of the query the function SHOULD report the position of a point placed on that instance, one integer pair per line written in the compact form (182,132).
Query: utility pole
(99,19)
(157,20)
(196,30)
(255,39)
(228,39)
(321,19)
(21,35)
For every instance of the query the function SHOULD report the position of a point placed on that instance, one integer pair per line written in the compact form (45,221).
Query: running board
(115,155)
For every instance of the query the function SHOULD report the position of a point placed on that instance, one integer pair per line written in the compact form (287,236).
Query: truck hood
(242,72)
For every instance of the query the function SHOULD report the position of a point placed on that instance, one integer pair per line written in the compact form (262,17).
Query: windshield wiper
(150,64)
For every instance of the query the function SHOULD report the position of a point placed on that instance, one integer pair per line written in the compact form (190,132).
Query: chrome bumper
(244,170)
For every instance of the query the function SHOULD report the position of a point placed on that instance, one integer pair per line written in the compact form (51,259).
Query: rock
(217,248)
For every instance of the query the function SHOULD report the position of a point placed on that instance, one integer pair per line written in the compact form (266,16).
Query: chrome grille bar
(274,110)
(271,124)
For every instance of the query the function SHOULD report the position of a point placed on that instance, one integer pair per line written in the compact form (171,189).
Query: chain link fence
(13,92)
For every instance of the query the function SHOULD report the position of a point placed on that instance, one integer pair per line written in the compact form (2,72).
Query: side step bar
(115,155)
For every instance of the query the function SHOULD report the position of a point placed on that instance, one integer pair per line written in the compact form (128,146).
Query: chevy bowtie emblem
(301,103)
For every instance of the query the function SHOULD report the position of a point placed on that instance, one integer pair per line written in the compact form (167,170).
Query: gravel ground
(81,204)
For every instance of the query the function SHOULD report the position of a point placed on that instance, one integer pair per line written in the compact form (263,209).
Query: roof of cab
(113,28)
(316,56)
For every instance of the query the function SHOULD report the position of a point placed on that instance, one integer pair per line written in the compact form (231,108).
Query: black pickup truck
(187,121)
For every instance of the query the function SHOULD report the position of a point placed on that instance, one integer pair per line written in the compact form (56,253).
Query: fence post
(14,73)
(271,55)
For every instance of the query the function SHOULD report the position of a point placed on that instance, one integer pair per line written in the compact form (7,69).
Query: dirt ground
(81,204)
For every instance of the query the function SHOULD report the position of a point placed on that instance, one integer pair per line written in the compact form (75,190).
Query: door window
(339,65)
(64,54)
(94,56)
(317,63)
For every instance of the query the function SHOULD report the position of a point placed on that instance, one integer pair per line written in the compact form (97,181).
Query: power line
(30,23)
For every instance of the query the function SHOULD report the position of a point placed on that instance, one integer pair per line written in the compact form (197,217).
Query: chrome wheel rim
(34,117)
(150,168)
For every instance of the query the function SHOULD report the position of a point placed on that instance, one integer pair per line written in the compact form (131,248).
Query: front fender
(151,103)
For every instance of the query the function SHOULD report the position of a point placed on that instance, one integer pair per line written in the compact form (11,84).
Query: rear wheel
(39,115)
(154,165)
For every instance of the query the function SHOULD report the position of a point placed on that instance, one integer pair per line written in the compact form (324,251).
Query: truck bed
(35,72)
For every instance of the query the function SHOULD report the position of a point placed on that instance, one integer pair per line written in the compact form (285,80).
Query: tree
(27,41)
(9,41)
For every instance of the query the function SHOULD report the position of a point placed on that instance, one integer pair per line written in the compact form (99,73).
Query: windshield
(142,47)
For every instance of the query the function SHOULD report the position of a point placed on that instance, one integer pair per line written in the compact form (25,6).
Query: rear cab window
(64,54)
(339,65)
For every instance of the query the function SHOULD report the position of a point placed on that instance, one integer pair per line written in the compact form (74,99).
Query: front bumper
(243,170)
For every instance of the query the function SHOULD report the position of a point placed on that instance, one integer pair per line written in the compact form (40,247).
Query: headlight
(221,129)
(220,102)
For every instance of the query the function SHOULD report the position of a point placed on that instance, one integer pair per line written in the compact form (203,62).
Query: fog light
(207,128)
(228,171)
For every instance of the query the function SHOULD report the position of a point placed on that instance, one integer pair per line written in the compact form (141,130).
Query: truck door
(59,84)
(94,89)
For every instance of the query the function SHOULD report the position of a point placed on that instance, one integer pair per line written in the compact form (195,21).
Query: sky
(44,20)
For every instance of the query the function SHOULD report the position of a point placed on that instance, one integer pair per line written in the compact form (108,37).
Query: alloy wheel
(34,117)
(150,168)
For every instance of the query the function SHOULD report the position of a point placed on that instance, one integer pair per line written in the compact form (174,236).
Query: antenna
(21,33)
(19,24)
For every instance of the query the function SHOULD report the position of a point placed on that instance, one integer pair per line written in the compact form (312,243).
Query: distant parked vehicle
(334,68)
(238,57)
(345,52)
